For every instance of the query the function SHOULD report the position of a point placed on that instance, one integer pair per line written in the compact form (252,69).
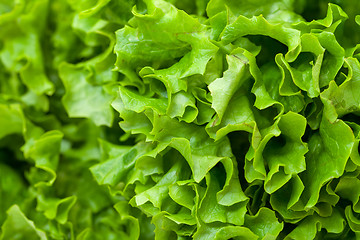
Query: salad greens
(179,119)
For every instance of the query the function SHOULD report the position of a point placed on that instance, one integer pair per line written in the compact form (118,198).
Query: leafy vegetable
(179,119)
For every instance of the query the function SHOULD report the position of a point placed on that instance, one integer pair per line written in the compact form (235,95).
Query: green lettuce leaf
(179,119)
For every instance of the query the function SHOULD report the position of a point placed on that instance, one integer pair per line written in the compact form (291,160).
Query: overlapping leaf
(172,119)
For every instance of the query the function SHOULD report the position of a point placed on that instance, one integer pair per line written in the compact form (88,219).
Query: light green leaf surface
(179,119)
